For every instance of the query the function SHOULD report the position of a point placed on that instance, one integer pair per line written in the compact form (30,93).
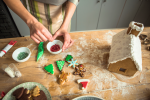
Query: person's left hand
(67,39)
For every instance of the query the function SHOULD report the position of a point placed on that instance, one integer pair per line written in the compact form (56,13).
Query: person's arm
(37,31)
(70,9)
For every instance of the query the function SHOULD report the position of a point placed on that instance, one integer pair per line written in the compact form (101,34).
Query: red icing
(84,84)
(12,42)
(55,48)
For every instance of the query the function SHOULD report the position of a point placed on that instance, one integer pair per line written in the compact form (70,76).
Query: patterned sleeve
(74,1)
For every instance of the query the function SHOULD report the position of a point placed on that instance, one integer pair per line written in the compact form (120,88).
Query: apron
(51,16)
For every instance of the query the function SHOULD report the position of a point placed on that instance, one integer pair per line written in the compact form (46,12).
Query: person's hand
(67,39)
(39,33)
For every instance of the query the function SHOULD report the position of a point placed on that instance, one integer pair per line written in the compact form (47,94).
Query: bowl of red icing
(55,47)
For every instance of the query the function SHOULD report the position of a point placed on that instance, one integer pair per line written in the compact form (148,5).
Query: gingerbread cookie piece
(72,63)
(42,96)
(18,93)
(26,95)
(63,77)
(80,70)
(36,91)
(69,57)
(60,64)
(49,69)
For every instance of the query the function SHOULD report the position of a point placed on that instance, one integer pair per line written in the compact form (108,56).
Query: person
(46,19)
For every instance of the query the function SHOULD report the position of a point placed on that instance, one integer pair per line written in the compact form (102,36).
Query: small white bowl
(22,49)
(58,42)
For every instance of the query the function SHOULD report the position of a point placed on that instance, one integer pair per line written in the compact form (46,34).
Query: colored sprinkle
(22,55)
(55,48)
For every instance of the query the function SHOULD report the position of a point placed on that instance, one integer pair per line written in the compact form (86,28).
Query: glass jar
(11,70)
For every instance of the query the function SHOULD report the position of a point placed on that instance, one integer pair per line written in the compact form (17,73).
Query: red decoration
(3,94)
(84,84)
(55,48)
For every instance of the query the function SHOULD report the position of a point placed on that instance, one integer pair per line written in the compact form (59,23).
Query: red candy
(3,94)
(55,48)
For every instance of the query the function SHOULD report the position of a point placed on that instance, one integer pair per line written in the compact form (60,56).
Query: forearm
(17,7)
(69,11)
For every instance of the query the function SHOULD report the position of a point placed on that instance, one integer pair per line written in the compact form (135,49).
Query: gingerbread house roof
(126,46)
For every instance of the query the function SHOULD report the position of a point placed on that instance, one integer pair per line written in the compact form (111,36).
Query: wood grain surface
(91,49)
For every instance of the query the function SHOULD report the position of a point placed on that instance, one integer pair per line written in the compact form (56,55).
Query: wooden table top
(91,49)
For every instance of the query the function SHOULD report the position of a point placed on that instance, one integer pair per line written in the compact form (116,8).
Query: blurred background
(89,15)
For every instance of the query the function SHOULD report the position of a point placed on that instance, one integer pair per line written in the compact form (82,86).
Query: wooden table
(91,49)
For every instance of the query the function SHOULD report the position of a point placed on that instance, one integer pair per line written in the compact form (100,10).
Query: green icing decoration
(49,69)
(69,57)
(60,64)
(40,51)
(22,55)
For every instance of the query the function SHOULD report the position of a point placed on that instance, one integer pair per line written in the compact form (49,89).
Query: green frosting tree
(60,64)
(40,51)
(69,57)
(49,69)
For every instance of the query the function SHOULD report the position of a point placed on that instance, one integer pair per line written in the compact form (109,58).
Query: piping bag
(40,51)
(9,45)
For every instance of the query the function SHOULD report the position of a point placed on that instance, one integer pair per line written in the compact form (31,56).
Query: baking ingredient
(11,43)
(40,51)
(18,74)
(55,48)
(22,55)
(10,72)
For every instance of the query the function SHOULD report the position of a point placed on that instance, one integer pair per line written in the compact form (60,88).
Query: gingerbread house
(125,54)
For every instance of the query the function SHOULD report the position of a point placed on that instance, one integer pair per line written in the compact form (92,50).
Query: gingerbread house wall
(125,67)
(125,46)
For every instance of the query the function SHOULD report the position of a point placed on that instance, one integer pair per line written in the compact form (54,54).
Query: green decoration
(60,64)
(69,57)
(40,51)
(22,55)
(49,69)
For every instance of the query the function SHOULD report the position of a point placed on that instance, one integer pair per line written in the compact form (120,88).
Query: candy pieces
(69,57)
(80,70)
(55,48)
(72,63)
(49,69)
(40,51)
(60,64)
(63,77)
(84,82)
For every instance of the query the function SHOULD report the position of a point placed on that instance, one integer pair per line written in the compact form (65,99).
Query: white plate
(28,85)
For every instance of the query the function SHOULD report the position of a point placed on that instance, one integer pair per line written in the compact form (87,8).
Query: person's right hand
(39,33)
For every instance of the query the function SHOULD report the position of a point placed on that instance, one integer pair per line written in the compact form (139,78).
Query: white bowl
(22,49)
(87,98)
(58,42)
